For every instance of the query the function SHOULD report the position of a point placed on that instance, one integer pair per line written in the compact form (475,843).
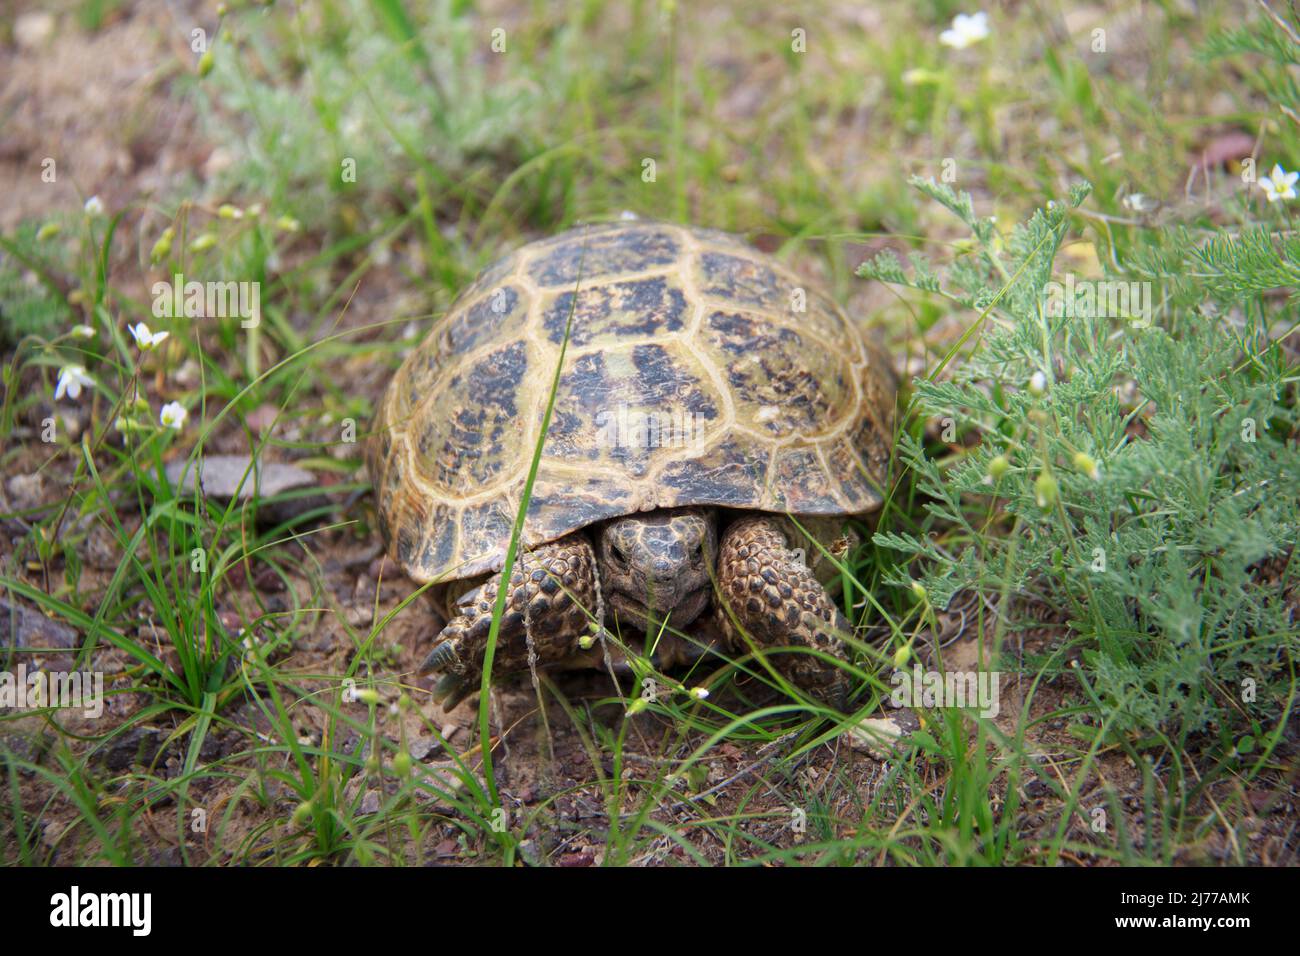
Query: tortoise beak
(681,608)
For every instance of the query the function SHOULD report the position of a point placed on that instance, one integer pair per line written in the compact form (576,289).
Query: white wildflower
(965,30)
(145,339)
(1279,184)
(72,379)
(173,415)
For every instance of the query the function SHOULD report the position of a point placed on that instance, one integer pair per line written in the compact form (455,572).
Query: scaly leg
(768,593)
(545,615)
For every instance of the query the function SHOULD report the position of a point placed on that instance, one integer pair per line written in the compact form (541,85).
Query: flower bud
(402,763)
(1045,491)
(1087,464)
(163,247)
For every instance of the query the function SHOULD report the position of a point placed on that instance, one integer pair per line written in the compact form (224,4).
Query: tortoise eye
(699,552)
(619,553)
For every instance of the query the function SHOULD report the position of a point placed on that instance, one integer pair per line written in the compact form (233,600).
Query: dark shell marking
(690,378)
(783,383)
(600,252)
(498,315)
(473,437)
(637,308)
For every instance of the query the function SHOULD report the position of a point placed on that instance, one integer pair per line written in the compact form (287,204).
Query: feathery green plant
(1138,475)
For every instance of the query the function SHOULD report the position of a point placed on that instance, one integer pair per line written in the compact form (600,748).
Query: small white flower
(173,415)
(94,206)
(965,30)
(1137,202)
(699,693)
(1279,184)
(1037,384)
(83,331)
(146,339)
(72,378)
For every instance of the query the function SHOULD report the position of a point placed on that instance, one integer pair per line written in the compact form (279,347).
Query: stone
(28,629)
(223,478)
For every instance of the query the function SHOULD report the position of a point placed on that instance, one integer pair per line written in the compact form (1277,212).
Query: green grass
(461,153)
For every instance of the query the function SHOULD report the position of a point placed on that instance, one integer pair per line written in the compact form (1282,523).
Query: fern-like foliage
(1137,477)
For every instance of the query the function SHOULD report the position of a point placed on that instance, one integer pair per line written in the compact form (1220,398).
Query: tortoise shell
(697,371)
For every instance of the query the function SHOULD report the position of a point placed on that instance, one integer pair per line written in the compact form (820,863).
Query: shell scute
(498,313)
(725,473)
(744,282)
(557,503)
(439,543)
(823,318)
(487,521)
(634,308)
(799,482)
(468,436)
(782,384)
(596,252)
(624,408)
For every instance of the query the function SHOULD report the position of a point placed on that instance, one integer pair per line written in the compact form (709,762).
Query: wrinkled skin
(660,562)
(666,564)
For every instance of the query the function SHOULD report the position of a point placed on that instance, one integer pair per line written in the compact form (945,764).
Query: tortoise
(716,422)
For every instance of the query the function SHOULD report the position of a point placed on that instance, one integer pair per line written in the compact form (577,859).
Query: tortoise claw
(470,597)
(450,691)
(438,658)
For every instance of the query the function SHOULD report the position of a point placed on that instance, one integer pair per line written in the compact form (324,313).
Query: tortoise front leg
(766,591)
(550,592)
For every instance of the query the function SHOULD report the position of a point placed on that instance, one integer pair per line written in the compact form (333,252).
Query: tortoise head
(658,562)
